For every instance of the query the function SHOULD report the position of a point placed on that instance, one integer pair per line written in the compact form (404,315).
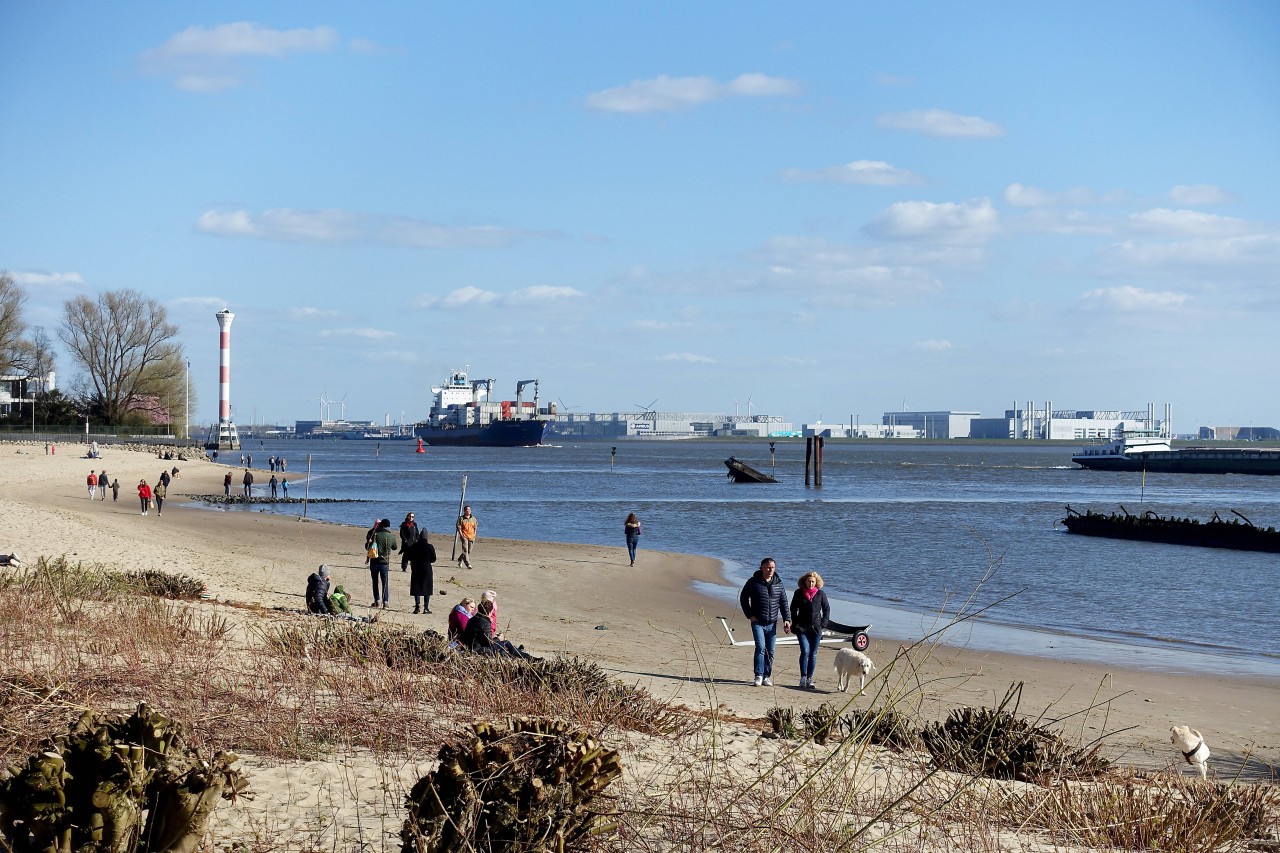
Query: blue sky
(830,209)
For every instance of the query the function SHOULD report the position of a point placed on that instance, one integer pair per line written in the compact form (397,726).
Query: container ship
(462,415)
(1137,451)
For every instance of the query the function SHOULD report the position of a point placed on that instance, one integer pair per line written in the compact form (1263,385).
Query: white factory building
(1029,422)
(652,424)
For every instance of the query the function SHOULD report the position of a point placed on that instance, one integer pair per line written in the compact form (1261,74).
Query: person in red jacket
(144,495)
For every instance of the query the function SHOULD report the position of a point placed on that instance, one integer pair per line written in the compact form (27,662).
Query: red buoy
(420,450)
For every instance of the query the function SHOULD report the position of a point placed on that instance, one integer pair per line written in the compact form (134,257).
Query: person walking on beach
(248,483)
(273,483)
(226,484)
(631,529)
(421,555)
(408,536)
(810,613)
(383,543)
(466,528)
(103,482)
(284,487)
(159,493)
(115,490)
(92,480)
(144,496)
(763,599)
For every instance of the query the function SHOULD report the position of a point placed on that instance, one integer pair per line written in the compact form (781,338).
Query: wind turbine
(324,405)
(565,405)
(749,396)
(342,407)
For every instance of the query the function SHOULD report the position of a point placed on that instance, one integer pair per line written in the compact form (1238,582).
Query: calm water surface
(899,531)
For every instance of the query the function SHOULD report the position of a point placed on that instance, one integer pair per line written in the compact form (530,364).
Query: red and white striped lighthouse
(227,438)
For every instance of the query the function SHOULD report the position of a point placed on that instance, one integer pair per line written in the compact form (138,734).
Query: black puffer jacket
(764,600)
(809,615)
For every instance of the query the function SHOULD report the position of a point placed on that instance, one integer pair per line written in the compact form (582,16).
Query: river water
(900,532)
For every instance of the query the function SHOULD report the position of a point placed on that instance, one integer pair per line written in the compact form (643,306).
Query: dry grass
(282,688)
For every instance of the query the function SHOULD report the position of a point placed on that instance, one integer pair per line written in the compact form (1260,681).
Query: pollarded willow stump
(115,785)
(523,787)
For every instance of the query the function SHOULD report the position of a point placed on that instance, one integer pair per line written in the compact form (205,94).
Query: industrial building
(1044,423)
(653,424)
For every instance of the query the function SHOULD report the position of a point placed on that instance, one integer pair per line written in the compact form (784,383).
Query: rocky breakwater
(241,499)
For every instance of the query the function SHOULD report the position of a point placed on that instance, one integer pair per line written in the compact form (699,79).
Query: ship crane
(477,384)
(520,395)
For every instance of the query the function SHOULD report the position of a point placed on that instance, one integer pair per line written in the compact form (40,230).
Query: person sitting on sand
(318,591)
(478,635)
(339,602)
(459,616)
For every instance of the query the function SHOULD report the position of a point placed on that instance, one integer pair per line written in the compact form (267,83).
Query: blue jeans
(808,651)
(380,570)
(632,542)
(764,635)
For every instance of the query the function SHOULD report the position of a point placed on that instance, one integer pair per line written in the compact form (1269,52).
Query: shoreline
(653,625)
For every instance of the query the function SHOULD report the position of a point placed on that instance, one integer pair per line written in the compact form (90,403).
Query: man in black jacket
(763,600)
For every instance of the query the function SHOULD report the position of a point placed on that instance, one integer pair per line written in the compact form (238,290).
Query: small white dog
(1191,743)
(849,662)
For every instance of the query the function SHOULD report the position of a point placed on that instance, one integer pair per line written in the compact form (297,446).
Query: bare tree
(120,343)
(12,326)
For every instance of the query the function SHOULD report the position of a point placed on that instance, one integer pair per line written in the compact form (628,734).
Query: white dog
(1191,743)
(849,662)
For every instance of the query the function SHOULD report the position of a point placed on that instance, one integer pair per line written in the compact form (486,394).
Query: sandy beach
(644,624)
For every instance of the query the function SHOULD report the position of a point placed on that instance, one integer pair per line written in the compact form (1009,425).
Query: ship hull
(1174,531)
(525,433)
(1265,462)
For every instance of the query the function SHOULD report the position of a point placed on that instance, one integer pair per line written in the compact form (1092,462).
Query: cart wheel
(861,641)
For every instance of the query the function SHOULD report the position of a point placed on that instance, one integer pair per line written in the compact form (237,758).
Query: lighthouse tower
(227,439)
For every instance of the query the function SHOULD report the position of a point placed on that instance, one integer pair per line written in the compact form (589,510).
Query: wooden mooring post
(813,458)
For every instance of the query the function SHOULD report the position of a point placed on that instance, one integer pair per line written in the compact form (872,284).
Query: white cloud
(669,94)
(845,276)
(47,279)
(933,346)
(543,293)
(245,38)
(866,172)
(971,222)
(940,123)
(1198,194)
(366,333)
(467,297)
(692,358)
(1218,256)
(307,313)
(342,228)
(211,59)
(1127,298)
(1186,223)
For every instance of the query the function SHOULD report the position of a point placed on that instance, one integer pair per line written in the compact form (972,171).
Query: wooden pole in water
(817,460)
(306,496)
(1143,496)
(462,499)
(808,458)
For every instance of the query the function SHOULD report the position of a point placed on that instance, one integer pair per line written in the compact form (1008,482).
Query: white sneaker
(768,682)
(759,680)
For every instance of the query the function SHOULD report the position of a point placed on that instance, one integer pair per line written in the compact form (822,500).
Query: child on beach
(115,490)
